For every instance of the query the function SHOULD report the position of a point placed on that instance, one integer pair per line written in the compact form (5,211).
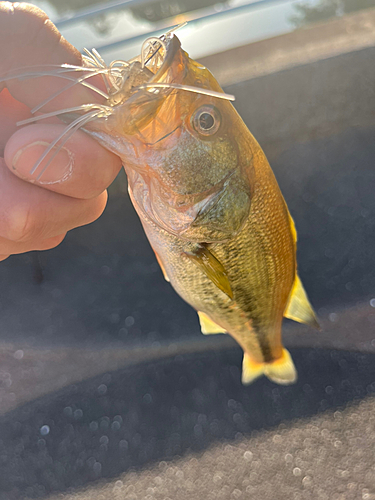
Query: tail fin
(281,370)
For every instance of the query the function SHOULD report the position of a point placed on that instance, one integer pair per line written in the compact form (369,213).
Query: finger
(11,111)
(81,169)
(29,38)
(29,213)
(8,247)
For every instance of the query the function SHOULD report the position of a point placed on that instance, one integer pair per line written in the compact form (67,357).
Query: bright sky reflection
(199,38)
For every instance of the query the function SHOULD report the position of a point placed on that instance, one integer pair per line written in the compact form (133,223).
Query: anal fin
(281,370)
(299,308)
(212,268)
(208,326)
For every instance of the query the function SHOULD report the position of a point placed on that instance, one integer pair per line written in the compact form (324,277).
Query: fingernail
(59,170)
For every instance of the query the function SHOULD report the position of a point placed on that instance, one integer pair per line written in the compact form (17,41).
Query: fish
(206,196)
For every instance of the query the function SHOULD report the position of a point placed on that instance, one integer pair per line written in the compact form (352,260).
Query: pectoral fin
(299,308)
(208,326)
(212,268)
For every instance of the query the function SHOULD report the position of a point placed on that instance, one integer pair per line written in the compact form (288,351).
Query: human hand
(36,214)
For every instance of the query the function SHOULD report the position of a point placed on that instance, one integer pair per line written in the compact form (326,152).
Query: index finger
(29,38)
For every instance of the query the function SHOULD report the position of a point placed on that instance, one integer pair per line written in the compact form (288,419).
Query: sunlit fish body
(208,201)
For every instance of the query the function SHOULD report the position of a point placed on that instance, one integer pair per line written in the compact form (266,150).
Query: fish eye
(206,120)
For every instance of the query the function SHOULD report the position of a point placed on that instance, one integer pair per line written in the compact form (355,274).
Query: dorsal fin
(299,308)
(212,268)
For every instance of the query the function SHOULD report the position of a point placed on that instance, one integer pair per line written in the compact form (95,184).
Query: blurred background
(107,387)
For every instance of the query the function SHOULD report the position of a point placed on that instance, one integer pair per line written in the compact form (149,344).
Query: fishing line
(188,88)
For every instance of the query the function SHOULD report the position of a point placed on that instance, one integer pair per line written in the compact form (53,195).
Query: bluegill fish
(207,199)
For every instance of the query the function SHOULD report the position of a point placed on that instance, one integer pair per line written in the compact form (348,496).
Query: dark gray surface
(132,418)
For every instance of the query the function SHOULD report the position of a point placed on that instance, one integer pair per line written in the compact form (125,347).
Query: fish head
(187,155)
